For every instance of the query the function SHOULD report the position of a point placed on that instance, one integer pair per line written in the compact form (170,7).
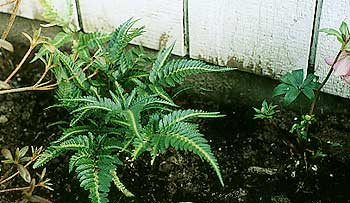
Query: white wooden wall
(333,12)
(266,37)
(163,19)
(32,9)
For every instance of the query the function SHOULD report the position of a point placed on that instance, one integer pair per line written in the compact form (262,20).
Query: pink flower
(342,66)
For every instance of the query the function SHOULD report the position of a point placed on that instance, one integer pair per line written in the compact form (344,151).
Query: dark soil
(260,161)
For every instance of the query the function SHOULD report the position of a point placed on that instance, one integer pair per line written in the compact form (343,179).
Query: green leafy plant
(120,105)
(267,111)
(293,84)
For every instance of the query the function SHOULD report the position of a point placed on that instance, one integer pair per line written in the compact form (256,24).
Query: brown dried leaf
(23,151)
(7,154)
(43,173)
(24,173)
(4,85)
(38,199)
(6,45)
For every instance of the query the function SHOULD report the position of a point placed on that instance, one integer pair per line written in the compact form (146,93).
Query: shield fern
(119,103)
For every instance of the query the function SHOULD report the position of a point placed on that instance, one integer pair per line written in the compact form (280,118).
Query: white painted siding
(267,37)
(32,9)
(333,13)
(163,19)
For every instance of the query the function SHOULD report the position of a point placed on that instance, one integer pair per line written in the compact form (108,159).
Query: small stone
(3,119)
(262,171)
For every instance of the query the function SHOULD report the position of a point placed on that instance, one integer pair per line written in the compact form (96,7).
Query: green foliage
(301,128)
(267,111)
(119,104)
(54,16)
(293,84)
(342,35)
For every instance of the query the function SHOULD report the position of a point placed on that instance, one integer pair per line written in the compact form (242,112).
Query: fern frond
(185,136)
(185,115)
(77,143)
(77,156)
(80,142)
(57,42)
(120,185)
(94,173)
(93,40)
(52,15)
(89,178)
(160,92)
(122,36)
(69,132)
(133,118)
(162,57)
(65,88)
(146,102)
(74,69)
(89,103)
(49,154)
(175,71)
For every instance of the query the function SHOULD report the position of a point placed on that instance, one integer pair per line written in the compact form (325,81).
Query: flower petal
(342,66)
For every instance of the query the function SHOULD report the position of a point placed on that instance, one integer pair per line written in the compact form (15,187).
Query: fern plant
(119,103)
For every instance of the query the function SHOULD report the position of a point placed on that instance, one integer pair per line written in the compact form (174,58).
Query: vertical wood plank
(268,37)
(163,20)
(32,9)
(333,13)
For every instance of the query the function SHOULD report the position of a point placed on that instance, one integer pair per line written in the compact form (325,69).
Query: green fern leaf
(162,57)
(120,185)
(83,154)
(185,115)
(49,154)
(80,142)
(185,136)
(67,133)
(75,70)
(121,37)
(175,71)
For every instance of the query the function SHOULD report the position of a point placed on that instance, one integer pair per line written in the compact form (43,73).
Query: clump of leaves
(301,128)
(293,84)
(18,163)
(120,105)
(267,111)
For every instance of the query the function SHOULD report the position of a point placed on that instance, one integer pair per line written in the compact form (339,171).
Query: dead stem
(7,3)
(22,188)
(11,20)
(15,174)
(6,174)
(20,64)
(31,88)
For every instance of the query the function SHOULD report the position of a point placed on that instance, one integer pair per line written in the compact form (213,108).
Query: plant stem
(7,3)
(31,88)
(13,175)
(318,91)
(11,20)
(21,188)
(20,64)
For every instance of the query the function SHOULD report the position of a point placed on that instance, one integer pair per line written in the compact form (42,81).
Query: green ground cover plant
(294,85)
(119,103)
